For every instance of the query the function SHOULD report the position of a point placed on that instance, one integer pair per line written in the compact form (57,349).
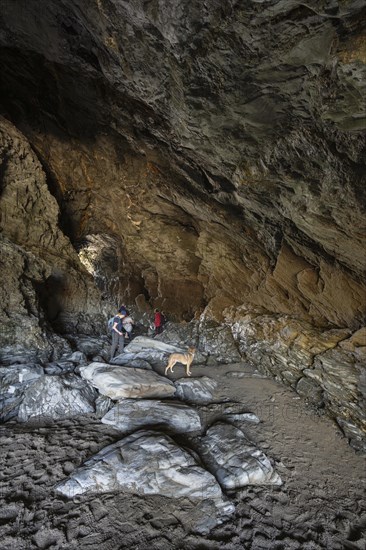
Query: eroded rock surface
(198,390)
(129,415)
(14,380)
(325,367)
(148,463)
(118,382)
(57,397)
(236,178)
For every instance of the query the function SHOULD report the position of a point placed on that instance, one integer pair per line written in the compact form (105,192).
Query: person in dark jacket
(118,339)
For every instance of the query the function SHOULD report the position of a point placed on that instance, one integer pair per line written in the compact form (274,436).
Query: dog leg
(189,367)
(170,366)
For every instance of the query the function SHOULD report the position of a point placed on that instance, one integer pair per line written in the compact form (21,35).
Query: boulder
(233,459)
(148,463)
(242,417)
(88,345)
(119,382)
(197,390)
(57,397)
(131,414)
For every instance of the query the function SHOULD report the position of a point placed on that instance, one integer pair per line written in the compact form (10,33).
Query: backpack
(110,323)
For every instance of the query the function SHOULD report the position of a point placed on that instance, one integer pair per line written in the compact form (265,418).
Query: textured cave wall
(44,286)
(222,145)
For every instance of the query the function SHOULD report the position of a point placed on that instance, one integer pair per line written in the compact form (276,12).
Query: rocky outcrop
(45,287)
(234,460)
(55,398)
(133,414)
(327,368)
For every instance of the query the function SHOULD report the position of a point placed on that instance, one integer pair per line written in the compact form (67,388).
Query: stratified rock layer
(236,178)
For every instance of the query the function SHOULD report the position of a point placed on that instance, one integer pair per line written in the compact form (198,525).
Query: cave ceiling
(215,151)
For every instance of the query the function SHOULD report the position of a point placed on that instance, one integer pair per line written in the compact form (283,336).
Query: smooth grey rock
(196,390)
(131,414)
(57,397)
(233,459)
(152,357)
(118,382)
(147,463)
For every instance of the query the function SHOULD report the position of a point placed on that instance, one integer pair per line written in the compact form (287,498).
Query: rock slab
(197,390)
(234,460)
(131,414)
(119,382)
(147,463)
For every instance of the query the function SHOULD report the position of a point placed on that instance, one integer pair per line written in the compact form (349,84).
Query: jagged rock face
(44,284)
(219,147)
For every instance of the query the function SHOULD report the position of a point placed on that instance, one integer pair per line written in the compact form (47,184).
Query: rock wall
(327,368)
(44,285)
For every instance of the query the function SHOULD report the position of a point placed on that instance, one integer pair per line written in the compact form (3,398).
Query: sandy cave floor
(321,504)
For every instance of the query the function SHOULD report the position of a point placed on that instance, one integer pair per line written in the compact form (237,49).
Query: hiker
(158,322)
(117,334)
(128,323)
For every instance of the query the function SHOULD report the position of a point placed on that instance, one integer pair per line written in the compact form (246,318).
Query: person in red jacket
(158,322)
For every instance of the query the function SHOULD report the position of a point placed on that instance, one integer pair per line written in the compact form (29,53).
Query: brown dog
(184,358)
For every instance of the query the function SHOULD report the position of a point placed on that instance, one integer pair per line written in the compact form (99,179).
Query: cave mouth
(98,253)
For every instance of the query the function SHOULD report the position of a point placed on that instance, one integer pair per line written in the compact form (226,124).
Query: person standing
(118,340)
(128,323)
(158,322)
